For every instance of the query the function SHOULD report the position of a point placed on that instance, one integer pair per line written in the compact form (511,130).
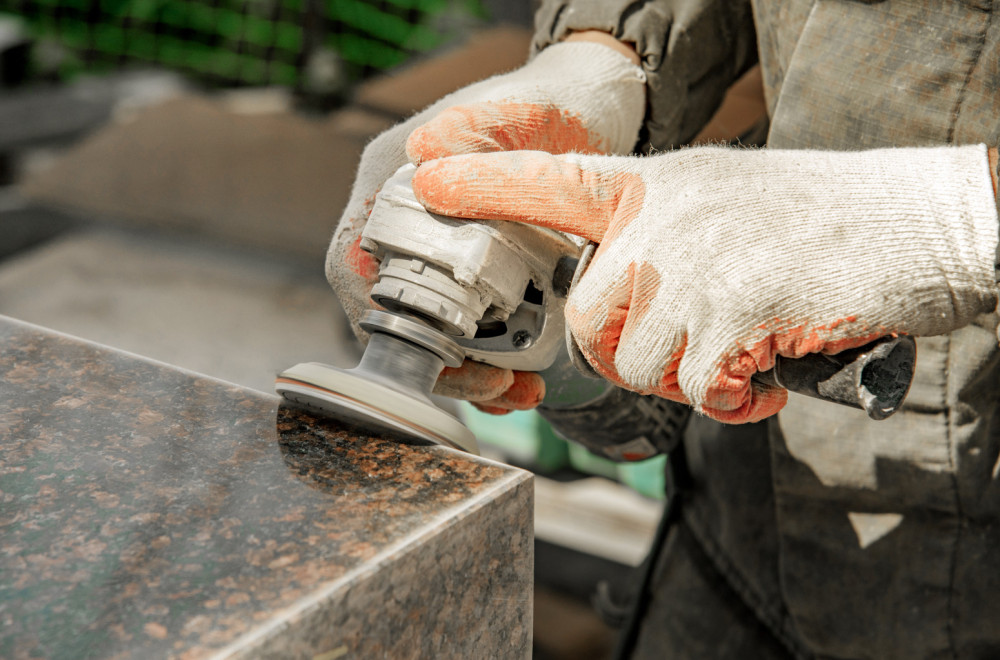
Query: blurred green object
(246,42)
(522,436)
(525,438)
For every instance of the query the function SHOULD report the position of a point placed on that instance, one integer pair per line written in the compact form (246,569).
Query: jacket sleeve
(691,51)
(620,425)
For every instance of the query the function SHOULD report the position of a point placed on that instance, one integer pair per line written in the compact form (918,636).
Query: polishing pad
(357,398)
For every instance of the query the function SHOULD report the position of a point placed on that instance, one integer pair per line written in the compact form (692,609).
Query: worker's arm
(691,51)
(713,261)
(582,91)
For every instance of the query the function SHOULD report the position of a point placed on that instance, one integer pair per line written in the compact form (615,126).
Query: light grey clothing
(822,533)
(691,51)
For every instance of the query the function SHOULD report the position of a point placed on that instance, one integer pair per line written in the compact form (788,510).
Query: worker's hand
(490,389)
(713,261)
(581,97)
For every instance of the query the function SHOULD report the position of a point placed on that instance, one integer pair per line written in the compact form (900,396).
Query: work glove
(713,261)
(579,97)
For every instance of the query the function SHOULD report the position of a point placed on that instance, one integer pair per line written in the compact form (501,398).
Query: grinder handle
(874,377)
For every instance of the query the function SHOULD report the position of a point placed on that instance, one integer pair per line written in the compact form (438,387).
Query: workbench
(148,512)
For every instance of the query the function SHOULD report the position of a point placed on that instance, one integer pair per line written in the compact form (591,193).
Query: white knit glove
(580,97)
(713,261)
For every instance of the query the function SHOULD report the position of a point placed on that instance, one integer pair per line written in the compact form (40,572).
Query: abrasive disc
(348,395)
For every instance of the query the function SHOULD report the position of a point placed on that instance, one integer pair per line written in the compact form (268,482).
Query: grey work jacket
(821,533)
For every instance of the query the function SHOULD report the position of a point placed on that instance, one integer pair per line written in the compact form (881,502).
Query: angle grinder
(494,292)
(448,290)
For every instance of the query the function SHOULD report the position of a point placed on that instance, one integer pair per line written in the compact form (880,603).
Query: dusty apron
(821,533)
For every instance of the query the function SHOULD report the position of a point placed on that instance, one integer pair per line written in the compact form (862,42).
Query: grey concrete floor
(234,314)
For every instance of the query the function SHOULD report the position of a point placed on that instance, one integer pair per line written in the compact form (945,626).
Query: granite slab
(146,512)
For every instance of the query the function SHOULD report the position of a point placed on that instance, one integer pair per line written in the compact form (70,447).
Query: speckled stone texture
(150,512)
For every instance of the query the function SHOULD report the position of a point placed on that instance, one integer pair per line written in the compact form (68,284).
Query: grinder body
(492,287)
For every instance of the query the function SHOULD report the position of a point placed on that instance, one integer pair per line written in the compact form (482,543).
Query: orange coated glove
(713,261)
(580,97)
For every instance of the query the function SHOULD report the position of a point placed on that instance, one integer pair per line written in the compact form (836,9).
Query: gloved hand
(712,261)
(581,97)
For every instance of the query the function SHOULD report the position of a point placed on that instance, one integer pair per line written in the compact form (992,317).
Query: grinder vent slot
(533,294)
(491,328)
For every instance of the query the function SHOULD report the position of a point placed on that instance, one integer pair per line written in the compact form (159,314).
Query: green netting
(241,42)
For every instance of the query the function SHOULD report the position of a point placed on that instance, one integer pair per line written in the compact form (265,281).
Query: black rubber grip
(875,377)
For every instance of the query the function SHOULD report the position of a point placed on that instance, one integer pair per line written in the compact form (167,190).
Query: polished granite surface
(150,512)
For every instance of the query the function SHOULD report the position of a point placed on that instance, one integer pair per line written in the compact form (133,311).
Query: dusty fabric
(621,425)
(698,613)
(691,51)
(847,538)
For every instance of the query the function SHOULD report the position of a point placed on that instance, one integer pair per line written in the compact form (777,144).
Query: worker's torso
(858,538)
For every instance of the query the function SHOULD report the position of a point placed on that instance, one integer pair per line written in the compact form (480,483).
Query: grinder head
(369,404)
(389,389)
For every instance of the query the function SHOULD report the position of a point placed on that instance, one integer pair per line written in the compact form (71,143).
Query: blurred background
(170,175)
